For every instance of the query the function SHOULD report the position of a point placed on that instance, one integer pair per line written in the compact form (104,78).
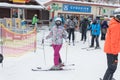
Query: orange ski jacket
(112,42)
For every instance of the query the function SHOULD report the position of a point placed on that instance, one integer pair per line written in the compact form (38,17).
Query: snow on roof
(21,6)
(84,2)
(43,1)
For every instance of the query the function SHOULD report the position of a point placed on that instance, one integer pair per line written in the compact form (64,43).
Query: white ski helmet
(117,13)
(58,19)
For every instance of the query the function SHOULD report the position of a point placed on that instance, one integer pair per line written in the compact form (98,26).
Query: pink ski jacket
(57,34)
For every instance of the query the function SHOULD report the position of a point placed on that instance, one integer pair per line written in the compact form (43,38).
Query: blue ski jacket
(95,29)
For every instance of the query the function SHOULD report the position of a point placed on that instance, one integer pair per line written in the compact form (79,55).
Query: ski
(90,49)
(85,48)
(40,68)
(51,70)
(65,65)
(37,68)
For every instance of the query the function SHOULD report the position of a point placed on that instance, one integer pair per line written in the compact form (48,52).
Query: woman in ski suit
(57,34)
(112,45)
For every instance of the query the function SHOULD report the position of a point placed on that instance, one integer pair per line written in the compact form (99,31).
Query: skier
(71,25)
(112,45)
(95,32)
(104,26)
(57,34)
(34,21)
(84,24)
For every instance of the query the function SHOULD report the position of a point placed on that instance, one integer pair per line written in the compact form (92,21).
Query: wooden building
(24,9)
(81,9)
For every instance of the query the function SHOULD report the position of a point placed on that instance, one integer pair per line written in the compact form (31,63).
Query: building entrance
(78,17)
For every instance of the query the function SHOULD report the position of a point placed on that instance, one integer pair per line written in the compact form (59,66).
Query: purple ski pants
(56,54)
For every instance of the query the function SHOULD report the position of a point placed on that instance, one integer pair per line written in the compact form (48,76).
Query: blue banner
(76,8)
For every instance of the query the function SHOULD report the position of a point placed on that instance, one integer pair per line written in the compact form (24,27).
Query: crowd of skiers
(96,26)
(109,32)
(64,29)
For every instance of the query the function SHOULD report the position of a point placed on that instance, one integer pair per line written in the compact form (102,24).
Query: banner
(20,1)
(76,8)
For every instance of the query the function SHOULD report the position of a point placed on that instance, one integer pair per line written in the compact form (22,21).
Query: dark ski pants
(71,32)
(57,58)
(112,61)
(83,36)
(94,37)
(103,36)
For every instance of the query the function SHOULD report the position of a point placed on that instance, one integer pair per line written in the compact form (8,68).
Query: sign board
(20,1)
(76,8)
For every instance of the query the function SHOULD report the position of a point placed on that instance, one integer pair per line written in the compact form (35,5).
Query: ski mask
(58,23)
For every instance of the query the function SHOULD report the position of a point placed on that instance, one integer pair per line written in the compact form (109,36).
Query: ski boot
(61,64)
(112,79)
(91,46)
(97,47)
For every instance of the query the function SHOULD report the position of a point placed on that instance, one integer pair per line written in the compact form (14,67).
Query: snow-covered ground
(89,65)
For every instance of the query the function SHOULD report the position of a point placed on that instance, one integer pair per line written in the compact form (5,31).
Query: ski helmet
(1,58)
(58,21)
(117,13)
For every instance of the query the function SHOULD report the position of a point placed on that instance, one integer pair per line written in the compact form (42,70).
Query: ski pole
(88,37)
(43,47)
(66,51)
(44,52)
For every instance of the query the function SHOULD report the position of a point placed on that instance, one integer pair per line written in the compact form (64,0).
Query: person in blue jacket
(95,32)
